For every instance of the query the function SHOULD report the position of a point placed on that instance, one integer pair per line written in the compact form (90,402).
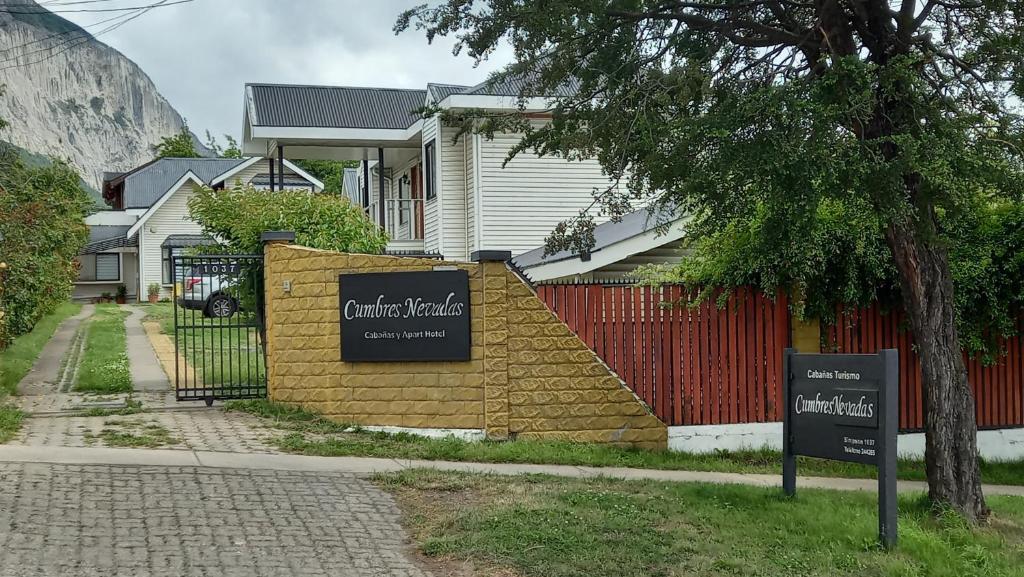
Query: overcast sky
(200,54)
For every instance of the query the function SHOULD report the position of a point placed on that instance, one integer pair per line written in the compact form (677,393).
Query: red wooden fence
(997,388)
(693,366)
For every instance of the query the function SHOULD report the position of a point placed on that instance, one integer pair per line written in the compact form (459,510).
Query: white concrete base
(461,434)
(993,445)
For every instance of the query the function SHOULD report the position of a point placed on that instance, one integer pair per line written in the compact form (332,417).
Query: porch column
(270,161)
(380,191)
(280,167)
(366,180)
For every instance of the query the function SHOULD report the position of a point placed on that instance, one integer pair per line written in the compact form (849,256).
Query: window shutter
(108,266)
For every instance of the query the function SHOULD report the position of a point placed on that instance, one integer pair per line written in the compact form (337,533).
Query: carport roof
(286,105)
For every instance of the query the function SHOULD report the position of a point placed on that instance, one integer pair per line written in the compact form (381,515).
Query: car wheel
(221,306)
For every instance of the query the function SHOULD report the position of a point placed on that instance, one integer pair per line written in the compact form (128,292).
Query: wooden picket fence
(997,388)
(702,365)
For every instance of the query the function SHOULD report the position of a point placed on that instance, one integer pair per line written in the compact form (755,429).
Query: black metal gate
(218,327)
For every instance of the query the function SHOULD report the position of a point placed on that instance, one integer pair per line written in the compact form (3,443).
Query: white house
(444,193)
(132,244)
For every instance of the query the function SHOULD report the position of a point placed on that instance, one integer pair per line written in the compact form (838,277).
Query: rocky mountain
(71,96)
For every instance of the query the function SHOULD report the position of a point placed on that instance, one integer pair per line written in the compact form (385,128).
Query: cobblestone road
(85,521)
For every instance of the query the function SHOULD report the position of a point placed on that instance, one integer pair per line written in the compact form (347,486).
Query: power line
(65,33)
(72,43)
(123,9)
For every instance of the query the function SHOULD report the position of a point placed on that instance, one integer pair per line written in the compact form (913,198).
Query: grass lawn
(104,363)
(221,354)
(308,434)
(538,526)
(10,422)
(17,359)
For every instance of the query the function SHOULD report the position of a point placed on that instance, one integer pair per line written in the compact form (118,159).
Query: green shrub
(43,229)
(239,215)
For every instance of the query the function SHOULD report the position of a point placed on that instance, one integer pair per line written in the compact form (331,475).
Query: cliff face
(71,96)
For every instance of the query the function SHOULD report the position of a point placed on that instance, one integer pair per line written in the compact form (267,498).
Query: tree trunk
(951,451)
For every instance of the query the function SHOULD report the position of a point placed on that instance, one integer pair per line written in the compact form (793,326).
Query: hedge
(43,229)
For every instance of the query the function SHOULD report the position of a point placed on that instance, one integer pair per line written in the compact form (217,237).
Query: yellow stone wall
(528,376)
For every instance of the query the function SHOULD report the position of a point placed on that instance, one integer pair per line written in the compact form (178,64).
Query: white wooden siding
(431,212)
(452,179)
(522,202)
(171,218)
(469,162)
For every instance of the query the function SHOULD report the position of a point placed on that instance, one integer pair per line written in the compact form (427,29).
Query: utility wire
(124,9)
(65,33)
(72,43)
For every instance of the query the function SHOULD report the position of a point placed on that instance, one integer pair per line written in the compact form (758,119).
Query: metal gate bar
(218,327)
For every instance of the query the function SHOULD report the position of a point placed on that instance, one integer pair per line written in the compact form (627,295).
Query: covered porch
(372,126)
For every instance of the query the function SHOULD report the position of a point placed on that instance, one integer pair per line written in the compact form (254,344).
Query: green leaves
(239,215)
(43,229)
(181,145)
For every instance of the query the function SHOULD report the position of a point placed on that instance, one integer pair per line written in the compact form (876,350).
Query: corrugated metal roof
(334,106)
(186,240)
(144,186)
(104,237)
(605,234)
(516,85)
(263,179)
(441,91)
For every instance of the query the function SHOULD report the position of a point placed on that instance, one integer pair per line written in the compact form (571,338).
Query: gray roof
(605,235)
(146,184)
(334,106)
(103,238)
(186,240)
(515,85)
(441,91)
(263,179)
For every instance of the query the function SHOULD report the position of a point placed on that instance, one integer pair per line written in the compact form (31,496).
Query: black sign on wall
(844,408)
(405,316)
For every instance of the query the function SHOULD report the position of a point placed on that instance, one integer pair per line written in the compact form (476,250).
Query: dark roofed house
(132,244)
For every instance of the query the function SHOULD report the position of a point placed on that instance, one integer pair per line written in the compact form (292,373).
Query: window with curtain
(429,164)
(166,254)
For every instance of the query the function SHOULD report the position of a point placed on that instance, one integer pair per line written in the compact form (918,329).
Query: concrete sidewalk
(366,466)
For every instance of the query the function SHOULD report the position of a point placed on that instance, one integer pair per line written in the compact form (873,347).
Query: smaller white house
(132,243)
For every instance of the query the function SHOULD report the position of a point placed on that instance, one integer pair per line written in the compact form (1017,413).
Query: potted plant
(153,292)
(105,297)
(122,294)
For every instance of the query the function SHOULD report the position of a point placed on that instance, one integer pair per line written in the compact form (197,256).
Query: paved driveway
(131,521)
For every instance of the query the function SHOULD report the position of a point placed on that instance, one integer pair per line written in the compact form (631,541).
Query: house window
(108,266)
(165,257)
(429,169)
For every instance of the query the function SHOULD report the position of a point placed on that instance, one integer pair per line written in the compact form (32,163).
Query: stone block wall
(528,376)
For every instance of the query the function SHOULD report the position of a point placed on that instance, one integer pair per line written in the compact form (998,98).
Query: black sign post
(405,316)
(845,408)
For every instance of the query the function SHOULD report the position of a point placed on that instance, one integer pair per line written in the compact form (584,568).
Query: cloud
(201,54)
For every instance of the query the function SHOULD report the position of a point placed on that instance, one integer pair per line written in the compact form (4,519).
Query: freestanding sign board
(405,316)
(844,408)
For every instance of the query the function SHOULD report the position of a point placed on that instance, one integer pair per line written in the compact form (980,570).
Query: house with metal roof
(132,243)
(434,189)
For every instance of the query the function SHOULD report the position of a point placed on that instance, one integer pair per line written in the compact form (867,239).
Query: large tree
(726,108)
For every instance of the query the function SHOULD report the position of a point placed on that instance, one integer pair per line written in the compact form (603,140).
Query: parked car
(203,288)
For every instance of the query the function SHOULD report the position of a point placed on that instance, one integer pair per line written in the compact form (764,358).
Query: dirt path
(50,373)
